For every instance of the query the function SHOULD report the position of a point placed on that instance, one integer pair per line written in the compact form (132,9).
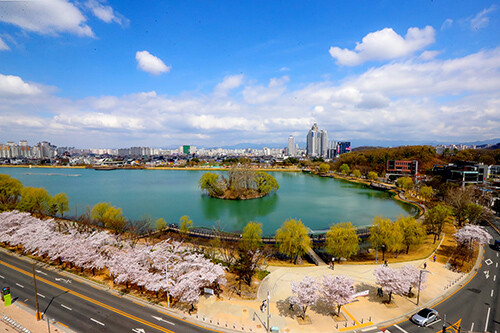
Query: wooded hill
(376,159)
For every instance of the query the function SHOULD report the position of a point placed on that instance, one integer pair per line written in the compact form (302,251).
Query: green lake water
(317,201)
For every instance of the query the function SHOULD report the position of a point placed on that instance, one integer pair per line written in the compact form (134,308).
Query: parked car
(425,317)
(497,244)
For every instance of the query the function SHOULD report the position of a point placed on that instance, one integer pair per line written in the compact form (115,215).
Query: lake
(317,201)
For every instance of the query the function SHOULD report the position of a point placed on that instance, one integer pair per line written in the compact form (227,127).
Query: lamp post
(168,291)
(419,282)
(268,306)
(38,317)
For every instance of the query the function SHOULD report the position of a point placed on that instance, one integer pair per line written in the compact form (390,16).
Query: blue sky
(123,73)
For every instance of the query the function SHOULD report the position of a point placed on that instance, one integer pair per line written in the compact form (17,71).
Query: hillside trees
(435,218)
(345,169)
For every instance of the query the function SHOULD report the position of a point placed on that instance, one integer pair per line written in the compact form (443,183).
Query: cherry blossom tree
(472,233)
(306,293)
(391,280)
(337,290)
(168,265)
(414,276)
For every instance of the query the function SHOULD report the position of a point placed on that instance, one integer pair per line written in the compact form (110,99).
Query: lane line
(496,265)
(472,327)
(42,296)
(40,272)
(491,293)
(62,324)
(494,277)
(402,330)
(96,321)
(2,277)
(353,319)
(19,285)
(138,303)
(66,307)
(91,300)
(487,318)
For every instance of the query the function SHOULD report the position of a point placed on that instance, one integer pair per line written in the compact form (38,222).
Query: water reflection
(238,212)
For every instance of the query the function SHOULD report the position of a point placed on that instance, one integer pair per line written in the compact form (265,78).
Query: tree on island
(240,183)
(292,239)
(342,240)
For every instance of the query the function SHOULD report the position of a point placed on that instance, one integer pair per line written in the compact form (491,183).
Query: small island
(240,184)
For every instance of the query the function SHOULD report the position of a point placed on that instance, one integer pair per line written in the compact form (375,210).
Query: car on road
(425,317)
(497,245)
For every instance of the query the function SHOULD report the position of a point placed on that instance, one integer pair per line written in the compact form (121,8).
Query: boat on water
(104,167)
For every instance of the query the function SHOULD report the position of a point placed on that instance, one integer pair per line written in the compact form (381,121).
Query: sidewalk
(234,314)
(363,312)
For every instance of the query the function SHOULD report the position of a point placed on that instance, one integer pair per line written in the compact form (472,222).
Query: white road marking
(42,296)
(20,285)
(472,327)
(40,272)
(368,329)
(95,321)
(161,319)
(2,277)
(488,261)
(487,318)
(402,330)
(494,277)
(496,265)
(66,307)
(141,330)
(491,293)
(387,331)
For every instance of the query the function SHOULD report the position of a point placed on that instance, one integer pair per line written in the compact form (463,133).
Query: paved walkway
(364,311)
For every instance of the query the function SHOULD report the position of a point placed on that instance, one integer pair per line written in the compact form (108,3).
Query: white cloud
(3,45)
(230,82)
(14,85)
(428,55)
(452,100)
(151,64)
(481,20)
(384,44)
(260,94)
(447,24)
(45,17)
(105,12)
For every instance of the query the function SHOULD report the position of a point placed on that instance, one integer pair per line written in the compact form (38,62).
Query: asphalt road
(82,307)
(475,307)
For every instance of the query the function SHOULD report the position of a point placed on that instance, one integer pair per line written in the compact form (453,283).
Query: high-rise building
(317,142)
(291,146)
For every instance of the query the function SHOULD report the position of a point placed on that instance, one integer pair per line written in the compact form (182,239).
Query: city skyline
(114,74)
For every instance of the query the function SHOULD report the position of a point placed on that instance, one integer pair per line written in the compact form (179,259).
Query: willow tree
(265,182)
(386,235)
(210,183)
(292,239)
(413,231)
(342,240)
(251,238)
(10,190)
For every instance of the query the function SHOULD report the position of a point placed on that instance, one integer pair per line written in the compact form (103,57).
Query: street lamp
(38,317)
(168,292)
(419,282)
(268,307)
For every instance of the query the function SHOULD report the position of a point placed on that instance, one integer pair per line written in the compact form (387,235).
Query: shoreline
(145,168)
